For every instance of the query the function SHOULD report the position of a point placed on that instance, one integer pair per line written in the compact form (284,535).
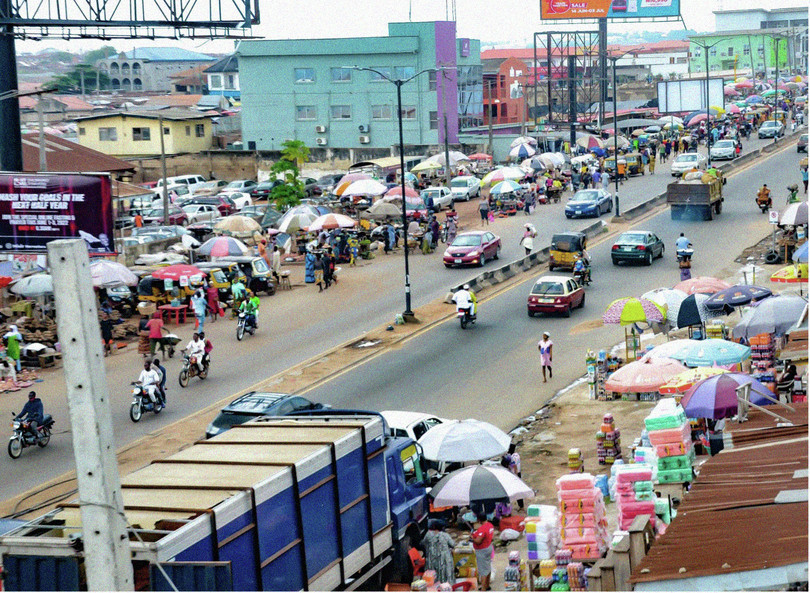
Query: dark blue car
(588,202)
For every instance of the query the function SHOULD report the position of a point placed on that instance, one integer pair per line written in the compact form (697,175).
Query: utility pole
(81,78)
(104,527)
(491,150)
(706,47)
(43,158)
(163,172)
(447,173)
(10,136)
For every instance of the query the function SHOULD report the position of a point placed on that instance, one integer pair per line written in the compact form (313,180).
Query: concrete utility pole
(43,157)
(163,172)
(104,527)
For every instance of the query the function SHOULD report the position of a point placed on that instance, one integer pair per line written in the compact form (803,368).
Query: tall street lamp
(775,38)
(398,83)
(706,47)
(613,60)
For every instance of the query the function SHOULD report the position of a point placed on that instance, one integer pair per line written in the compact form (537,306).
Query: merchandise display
(634,492)
(583,526)
(542,531)
(608,442)
(576,463)
(670,433)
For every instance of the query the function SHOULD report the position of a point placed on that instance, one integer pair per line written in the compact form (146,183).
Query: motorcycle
(190,370)
(23,438)
(583,277)
(245,324)
(465,317)
(142,403)
(764,204)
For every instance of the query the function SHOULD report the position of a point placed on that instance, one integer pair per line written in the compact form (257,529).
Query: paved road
(298,325)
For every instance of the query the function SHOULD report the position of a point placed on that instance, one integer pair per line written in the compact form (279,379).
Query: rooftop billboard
(612,9)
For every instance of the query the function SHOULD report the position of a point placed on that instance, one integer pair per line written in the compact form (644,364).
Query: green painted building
(306,89)
(744,51)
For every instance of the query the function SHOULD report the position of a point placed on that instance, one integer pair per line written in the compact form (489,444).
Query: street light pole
(706,47)
(613,60)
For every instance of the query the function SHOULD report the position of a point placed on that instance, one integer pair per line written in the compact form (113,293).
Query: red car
(176,216)
(473,248)
(224,204)
(555,294)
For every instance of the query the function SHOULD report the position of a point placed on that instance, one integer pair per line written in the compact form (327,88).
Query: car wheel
(661,255)
(567,312)
(649,258)
(615,261)
(483,260)
(531,313)
(582,302)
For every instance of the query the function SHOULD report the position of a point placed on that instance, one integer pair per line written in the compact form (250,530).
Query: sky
(503,23)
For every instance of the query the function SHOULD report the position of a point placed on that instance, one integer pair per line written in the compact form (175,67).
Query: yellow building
(135,133)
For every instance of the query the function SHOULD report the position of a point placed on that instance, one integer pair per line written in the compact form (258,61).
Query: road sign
(773,216)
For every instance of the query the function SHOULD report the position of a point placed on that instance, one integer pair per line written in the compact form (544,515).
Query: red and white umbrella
(703,284)
(332,221)
(178,271)
(644,376)
(223,246)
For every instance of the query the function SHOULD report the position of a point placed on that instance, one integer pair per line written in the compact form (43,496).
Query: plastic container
(575,482)
(674,462)
(670,449)
(665,414)
(674,476)
(677,434)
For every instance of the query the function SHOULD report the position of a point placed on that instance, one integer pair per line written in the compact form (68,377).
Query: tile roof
(735,492)
(166,54)
(67,156)
(190,76)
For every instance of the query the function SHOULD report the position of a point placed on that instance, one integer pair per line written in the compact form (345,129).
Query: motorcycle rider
(682,245)
(465,300)
(764,196)
(238,292)
(33,413)
(161,370)
(149,380)
(207,349)
(196,348)
(582,269)
(251,308)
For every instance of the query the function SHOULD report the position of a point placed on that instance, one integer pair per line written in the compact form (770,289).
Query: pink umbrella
(332,221)
(732,108)
(643,376)
(745,84)
(730,92)
(696,119)
(702,284)
(396,192)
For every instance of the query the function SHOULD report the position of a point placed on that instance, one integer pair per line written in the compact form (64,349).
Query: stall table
(178,310)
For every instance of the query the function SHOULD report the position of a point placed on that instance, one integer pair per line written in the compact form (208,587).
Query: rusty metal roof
(66,156)
(729,522)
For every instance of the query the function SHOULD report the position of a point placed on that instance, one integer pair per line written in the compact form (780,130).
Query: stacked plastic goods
(542,531)
(583,523)
(514,577)
(763,353)
(576,463)
(560,575)
(671,436)
(634,493)
(576,577)
(608,442)
(546,578)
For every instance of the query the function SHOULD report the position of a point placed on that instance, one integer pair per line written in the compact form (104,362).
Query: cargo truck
(276,504)
(694,199)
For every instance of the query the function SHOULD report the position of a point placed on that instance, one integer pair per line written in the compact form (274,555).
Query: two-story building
(223,78)
(316,91)
(130,134)
(149,68)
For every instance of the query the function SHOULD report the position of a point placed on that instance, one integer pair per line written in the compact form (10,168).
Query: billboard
(612,9)
(38,208)
(675,96)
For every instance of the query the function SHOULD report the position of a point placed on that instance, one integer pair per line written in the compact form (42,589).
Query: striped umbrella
(223,246)
(716,397)
(502,174)
(347,180)
(522,151)
(332,221)
(479,483)
(631,310)
(706,353)
(505,187)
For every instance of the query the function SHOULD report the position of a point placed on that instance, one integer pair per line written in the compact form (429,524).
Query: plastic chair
(463,586)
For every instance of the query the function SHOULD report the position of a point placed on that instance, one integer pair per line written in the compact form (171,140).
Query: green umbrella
(771,92)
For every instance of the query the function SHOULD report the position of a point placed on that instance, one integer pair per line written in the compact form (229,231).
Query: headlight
(473,254)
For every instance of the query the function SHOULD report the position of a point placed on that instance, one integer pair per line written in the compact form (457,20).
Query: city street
(443,371)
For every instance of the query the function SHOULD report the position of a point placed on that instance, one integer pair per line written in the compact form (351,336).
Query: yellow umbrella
(720,110)
(681,382)
(426,166)
(794,273)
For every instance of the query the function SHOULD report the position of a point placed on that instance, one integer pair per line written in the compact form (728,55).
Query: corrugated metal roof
(166,54)
(68,157)
(229,64)
(156,113)
(729,522)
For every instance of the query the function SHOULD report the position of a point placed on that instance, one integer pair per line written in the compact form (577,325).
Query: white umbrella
(104,272)
(671,298)
(456,157)
(238,225)
(332,221)
(296,222)
(465,440)
(479,483)
(33,286)
(365,187)
(523,140)
(794,215)
(670,119)
(384,208)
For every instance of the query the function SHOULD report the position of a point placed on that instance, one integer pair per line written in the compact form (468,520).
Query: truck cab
(406,488)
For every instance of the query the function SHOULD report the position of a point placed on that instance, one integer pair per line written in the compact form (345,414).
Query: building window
(199,130)
(141,134)
(434,120)
(713,52)
(137,84)
(696,54)
(376,77)
(340,111)
(216,81)
(432,80)
(305,112)
(408,112)
(746,50)
(730,51)
(681,61)
(230,82)
(108,134)
(82,131)
(188,130)
(341,75)
(304,74)
(403,72)
(166,131)
(380,112)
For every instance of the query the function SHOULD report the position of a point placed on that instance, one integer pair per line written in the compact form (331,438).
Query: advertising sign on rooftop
(612,9)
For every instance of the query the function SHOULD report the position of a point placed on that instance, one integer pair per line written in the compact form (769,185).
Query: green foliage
(295,151)
(70,82)
(291,191)
(95,55)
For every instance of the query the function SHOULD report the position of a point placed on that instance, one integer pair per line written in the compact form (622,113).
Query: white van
(191,181)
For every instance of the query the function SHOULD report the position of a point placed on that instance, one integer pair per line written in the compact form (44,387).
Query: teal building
(308,89)
(746,51)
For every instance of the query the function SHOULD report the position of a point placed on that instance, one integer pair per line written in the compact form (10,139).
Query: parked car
(472,248)
(723,149)
(239,185)
(176,216)
(225,204)
(255,404)
(256,212)
(132,241)
(687,160)
(410,424)
(801,144)
(201,212)
(143,203)
(328,182)
(239,199)
(555,294)
(210,188)
(262,191)
(639,246)
(191,181)
(465,187)
(771,129)
(589,202)
(442,197)
(170,230)
(311,187)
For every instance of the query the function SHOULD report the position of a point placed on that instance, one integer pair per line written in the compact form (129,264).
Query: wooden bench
(50,360)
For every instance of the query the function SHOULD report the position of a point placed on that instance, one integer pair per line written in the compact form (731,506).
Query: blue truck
(277,504)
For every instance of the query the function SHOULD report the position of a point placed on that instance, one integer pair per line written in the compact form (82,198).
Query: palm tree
(295,151)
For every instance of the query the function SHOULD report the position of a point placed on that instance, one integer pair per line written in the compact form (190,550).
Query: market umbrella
(464,440)
(675,126)
(589,142)
(479,483)
(33,286)
(177,271)
(504,187)
(716,397)
(396,193)
(502,174)
(800,255)
(104,272)
(480,156)
(223,246)
(365,187)
(753,99)
(704,284)
(638,133)
(456,157)
(296,222)
(237,224)
(741,104)
(652,129)
(426,166)
(629,310)
(522,151)
(332,221)
(730,91)
(773,315)
(794,215)
(696,119)
(643,376)
(684,381)
(381,209)
(523,140)
(772,92)
(791,274)
(744,84)
(347,180)
(732,108)
(670,298)
(670,119)
(736,296)
(705,353)
(693,311)
(621,141)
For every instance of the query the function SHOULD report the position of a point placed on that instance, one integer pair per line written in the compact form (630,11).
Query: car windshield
(158,212)
(686,158)
(226,420)
(435,193)
(725,144)
(547,287)
(462,183)
(467,241)
(219,276)
(770,124)
(260,265)
(235,184)
(632,239)
(584,196)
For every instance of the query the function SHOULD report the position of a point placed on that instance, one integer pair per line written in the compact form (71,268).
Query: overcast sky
(505,23)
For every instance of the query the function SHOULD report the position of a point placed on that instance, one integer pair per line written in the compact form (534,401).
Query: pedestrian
(483,209)
(482,544)
(667,149)
(434,230)
(451,230)
(527,242)
(652,163)
(199,304)
(605,180)
(438,545)
(328,270)
(545,346)
(318,270)
(804,177)
(596,177)
(392,237)
(138,220)
(662,150)
(275,264)
(106,332)
(212,296)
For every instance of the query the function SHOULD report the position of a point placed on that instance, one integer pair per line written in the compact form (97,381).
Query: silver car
(686,161)
(465,188)
(723,149)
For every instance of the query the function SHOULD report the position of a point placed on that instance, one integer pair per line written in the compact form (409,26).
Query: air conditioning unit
(363,128)
(365,139)
(320,129)
(321,141)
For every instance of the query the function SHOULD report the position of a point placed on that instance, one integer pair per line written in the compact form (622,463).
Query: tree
(71,82)
(289,193)
(95,55)
(295,151)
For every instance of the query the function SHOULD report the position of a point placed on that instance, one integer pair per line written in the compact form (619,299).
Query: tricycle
(566,249)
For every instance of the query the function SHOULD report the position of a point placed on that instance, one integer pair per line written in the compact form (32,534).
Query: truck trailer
(695,199)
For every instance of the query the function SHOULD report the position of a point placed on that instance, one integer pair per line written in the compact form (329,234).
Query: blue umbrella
(754,99)
(713,352)
(716,397)
(505,187)
(736,296)
(800,255)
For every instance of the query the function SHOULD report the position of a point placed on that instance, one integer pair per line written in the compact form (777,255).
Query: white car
(241,199)
(464,188)
(410,424)
(442,197)
(238,185)
(200,212)
(723,149)
(190,181)
(687,160)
